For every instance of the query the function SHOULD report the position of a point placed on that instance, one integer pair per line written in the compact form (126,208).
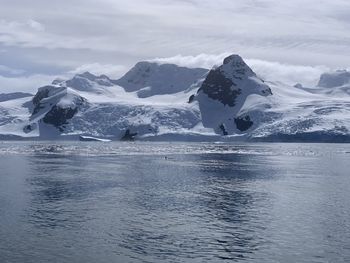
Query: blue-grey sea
(174,202)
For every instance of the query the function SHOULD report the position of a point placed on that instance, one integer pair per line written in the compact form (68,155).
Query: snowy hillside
(149,79)
(167,102)
(294,113)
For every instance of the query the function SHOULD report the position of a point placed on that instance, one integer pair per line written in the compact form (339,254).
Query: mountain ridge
(228,102)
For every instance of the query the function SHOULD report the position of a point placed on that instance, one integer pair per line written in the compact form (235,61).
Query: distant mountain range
(167,102)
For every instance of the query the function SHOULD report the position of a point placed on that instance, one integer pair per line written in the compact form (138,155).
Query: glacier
(155,101)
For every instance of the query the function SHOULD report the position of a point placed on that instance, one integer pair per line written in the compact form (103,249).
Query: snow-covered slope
(66,109)
(150,79)
(295,114)
(87,82)
(14,116)
(230,102)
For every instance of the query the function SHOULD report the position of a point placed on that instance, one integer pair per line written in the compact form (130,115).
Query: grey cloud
(55,37)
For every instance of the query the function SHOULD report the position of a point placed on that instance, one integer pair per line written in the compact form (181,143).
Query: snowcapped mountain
(335,79)
(149,79)
(224,92)
(167,102)
(334,83)
(87,82)
(53,107)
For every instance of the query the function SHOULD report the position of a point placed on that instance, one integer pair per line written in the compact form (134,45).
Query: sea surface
(174,202)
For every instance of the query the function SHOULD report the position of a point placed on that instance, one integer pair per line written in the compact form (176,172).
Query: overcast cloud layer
(40,39)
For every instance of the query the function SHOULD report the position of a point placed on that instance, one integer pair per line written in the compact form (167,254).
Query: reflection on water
(221,203)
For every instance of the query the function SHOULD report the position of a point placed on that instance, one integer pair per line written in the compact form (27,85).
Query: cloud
(201,60)
(4,70)
(299,32)
(36,25)
(53,37)
(31,83)
(287,73)
(24,84)
(268,70)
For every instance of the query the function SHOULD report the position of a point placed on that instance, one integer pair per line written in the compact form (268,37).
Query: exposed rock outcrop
(129,136)
(225,90)
(55,106)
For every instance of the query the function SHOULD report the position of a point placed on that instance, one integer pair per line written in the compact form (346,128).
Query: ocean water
(174,202)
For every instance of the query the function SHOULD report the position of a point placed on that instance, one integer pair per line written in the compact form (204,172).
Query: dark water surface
(173,202)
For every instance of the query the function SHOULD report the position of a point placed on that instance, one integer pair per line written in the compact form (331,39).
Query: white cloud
(24,84)
(268,70)
(287,73)
(201,60)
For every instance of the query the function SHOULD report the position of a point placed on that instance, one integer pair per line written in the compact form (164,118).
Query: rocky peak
(224,92)
(234,66)
(44,93)
(334,79)
(87,75)
(55,105)
(235,59)
(232,79)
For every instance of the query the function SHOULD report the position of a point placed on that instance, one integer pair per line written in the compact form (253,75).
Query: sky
(290,40)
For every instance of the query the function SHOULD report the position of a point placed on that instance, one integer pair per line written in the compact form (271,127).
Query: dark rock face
(129,136)
(191,98)
(58,116)
(223,129)
(243,124)
(47,103)
(41,94)
(218,87)
(224,92)
(30,127)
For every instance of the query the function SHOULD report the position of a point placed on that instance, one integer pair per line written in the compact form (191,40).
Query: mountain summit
(334,79)
(150,78)
(224,92)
